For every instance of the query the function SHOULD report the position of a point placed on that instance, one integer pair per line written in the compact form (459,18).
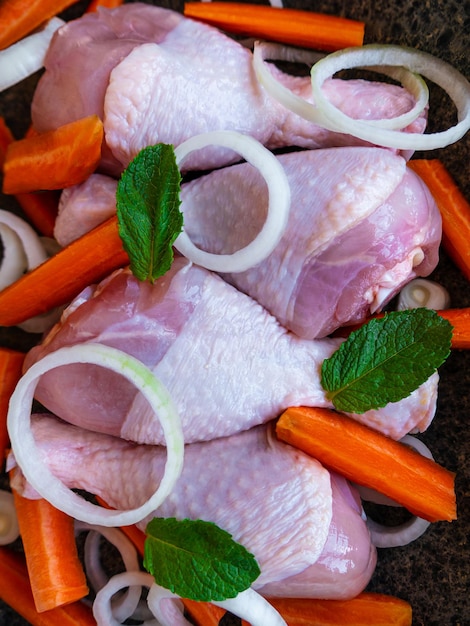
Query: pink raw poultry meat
(304,526)
(155,76)
(225,360)
(361,225)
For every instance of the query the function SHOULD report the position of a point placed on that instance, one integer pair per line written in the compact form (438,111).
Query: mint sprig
(197,560)
(386,359)
(149,218)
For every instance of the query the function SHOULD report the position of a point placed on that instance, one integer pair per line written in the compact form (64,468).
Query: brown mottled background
(432,573)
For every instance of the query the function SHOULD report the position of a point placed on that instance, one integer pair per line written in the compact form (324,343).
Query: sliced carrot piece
(373,609)
(203,613)
(55,571)
(58,280)
(369,458)
(460,320)
(40,208)
(11,365)
(15,590)
(291,26)
(108,4)
(454,209)
(55,159)
(18,18)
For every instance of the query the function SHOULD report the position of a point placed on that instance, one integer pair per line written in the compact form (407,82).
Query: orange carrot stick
(55,571)
(15,590)
(203,613)
(18,18)
(55,159)
(40,208)
(290,26)
(373,609)
(454,208)
(11,364)
(60,278)
(369,458)
(6,138)
(108,4)
(460,320)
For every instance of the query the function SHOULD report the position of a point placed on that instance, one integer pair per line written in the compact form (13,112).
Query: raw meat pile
(233,350)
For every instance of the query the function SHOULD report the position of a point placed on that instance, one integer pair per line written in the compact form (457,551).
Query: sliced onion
(125,606)
(32,244)
(312,112)
(271,51)
(31,462)
(278,209)
(24,58)
(394,536)
(102,608)
(9,530)
(14,261)
(422,292)
(436,70)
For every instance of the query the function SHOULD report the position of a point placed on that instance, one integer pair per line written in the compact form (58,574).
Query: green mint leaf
(197,559)
(149,218)
(386,360)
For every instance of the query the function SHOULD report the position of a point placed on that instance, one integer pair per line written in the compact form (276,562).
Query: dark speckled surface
(433,573)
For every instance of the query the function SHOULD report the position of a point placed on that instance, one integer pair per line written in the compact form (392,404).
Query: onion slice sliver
(311,112)
(29,458)
(436,70)
(25,57)
(125,605)
(14,262)
(33,247)
(278,209)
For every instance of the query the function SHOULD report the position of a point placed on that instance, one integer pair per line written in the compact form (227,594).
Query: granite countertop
(433,572)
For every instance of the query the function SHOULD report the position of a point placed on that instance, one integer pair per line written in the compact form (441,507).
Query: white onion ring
(102,610)
(125,606)
(436,70)
(312,112)
(29,458)
(394,536)
(25,57)
(14,261)
(278,210)
(31,242)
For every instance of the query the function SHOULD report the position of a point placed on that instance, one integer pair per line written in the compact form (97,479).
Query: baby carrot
(40,208)
(369,458)
(63,276)
(55,159)
(203,613)
(291,26)
(15,590)
(108,4)
(55,571)
(18,18)
(11,364)
(373,609)
(454,208)
(460,320)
